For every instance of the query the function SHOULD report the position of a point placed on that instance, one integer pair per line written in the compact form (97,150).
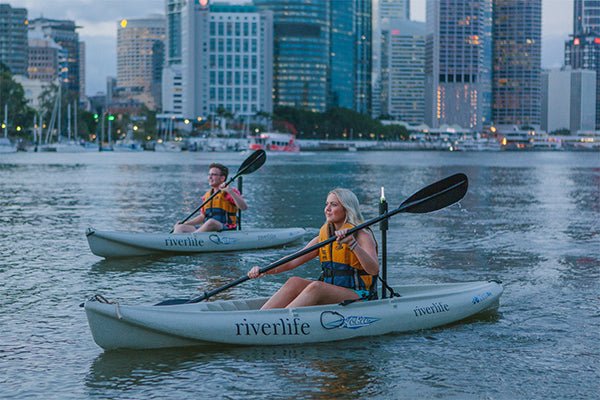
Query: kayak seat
(227,306)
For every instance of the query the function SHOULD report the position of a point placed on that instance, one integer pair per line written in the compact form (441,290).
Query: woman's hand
(254,273)
(343,239)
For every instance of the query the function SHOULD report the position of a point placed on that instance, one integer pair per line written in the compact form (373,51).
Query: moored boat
(274,142)
(127,244)
(240,322)
(6,146)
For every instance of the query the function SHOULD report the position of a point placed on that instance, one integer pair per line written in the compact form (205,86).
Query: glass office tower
(301,52)
(458,65)
(517,82)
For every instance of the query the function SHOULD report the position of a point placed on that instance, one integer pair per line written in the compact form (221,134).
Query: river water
(531,220)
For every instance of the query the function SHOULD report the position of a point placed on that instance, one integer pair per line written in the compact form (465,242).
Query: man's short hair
(224,170)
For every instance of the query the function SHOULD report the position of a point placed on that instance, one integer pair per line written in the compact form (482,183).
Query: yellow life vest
(340,265)
(221,209)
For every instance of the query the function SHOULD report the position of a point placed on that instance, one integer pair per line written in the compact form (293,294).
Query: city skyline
(99,21)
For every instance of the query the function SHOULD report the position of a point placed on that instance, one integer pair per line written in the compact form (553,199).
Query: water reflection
(531,220)
(259,371)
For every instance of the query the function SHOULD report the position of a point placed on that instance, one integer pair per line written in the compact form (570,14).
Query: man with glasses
(220,213)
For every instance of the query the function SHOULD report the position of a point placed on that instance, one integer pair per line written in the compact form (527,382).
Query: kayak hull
(129,244)
(240,322)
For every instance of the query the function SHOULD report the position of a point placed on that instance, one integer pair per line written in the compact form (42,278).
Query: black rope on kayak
(371,296)
(386,286)
(99,298)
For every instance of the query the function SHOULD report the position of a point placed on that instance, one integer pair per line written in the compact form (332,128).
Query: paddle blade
(437,195)
(252,163)
(172,302)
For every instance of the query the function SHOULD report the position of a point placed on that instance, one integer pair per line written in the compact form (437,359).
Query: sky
(99,18)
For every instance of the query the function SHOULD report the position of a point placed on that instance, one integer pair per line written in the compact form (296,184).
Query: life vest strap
(330,273)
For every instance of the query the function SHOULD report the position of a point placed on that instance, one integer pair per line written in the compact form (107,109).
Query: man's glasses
(215,175)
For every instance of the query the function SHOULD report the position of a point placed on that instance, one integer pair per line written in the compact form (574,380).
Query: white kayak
(127,244)
(240,322)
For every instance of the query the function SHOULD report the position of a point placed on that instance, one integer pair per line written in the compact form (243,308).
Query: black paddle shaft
(251,164)
(431,198)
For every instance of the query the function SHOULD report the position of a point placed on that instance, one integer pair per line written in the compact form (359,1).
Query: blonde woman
(349,265)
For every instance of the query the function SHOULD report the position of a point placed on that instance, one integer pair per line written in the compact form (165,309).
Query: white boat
(583,140)
(6,146)
(126,146)
(240,322)
(63,147)
(167,147)
(545,142)
(476,143)
(90,146)
(127,244)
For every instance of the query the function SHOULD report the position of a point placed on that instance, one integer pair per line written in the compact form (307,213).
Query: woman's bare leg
(287,293)
(318,292)
(211,225)
(182,228)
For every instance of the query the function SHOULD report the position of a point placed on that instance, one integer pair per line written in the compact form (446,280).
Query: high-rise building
(13,39)
(173,40)
(111,88)
(403,71)
(350,55)
(158,62)
(82,70)
(363,56)
(301,52)
(382,12)
(517,36)
(44,56)
(341,64)
(64,33)
(322,53)
(392,10)
(582,51)
(227,59)
(586,17)
(458,68)
(171,88)
(569,100)
(136,62)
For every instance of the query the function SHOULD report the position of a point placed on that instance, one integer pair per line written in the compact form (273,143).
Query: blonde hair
(350,203)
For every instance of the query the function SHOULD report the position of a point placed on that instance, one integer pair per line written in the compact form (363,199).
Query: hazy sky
(98,20)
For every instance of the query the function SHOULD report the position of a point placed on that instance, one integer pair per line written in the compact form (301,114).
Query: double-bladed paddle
(250,164)
(431,198)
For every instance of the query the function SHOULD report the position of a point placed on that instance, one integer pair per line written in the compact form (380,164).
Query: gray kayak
(127,244)
(241,322)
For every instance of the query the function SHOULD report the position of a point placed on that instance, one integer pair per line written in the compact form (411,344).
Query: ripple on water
(530,220)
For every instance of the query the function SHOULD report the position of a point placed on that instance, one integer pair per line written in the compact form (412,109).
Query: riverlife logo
(333,320)
(282,327)
(267,237)
(216,239)
(189,241)
(434,308)
(479,298)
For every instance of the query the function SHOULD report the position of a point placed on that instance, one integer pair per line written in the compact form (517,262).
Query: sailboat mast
(69,121)
(34,127)
(59,134)
(75,118)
